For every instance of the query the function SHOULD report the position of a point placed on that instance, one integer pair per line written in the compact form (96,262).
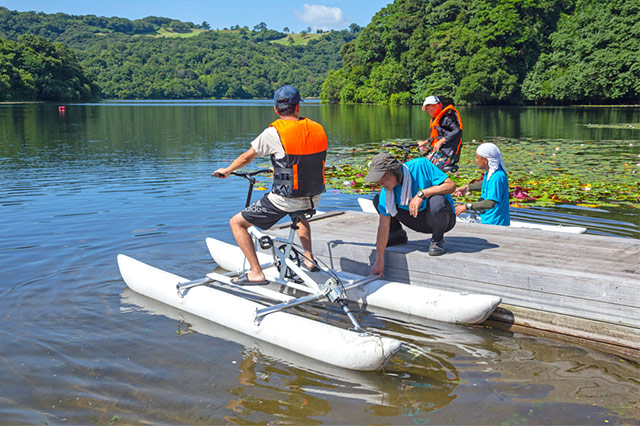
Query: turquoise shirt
(496,188)
(423,175)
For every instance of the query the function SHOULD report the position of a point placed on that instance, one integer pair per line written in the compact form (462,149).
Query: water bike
(277,314)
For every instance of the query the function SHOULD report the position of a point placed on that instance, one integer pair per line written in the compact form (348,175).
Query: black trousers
(436,219)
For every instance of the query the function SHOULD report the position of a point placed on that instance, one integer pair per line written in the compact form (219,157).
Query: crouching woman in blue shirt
(494,188)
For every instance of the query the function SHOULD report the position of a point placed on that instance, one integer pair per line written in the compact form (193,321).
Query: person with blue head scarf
(494,188)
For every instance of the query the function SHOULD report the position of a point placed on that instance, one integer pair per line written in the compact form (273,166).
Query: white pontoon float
(260,311)
(366,205)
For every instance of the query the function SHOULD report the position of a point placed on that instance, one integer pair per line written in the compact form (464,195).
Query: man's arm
(445,188)
(449,130)
(382,237)
(243,159)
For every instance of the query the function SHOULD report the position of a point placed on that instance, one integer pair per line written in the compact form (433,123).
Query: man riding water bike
(298,149)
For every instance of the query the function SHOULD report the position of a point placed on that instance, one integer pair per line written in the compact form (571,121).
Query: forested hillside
(474,51)
(34,69)
(494,52)
(136,59)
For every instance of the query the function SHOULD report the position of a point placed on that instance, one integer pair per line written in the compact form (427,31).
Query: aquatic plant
(541,172)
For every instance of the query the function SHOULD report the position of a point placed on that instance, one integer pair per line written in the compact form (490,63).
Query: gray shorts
(263,214)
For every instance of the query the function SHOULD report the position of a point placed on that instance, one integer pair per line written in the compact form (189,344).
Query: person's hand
(422,145)
(378,267)
(221,173)
(414,205)
(461,208)
(438,145)
(462,191)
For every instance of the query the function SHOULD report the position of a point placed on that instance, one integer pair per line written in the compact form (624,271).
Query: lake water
(76,346)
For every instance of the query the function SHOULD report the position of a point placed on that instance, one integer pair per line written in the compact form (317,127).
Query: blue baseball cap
(287,95)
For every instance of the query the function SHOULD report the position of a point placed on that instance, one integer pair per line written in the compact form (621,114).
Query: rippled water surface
(76,346)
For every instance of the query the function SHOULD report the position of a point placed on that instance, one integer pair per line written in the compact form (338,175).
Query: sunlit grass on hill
(300,39)
(167,32)
(297,39)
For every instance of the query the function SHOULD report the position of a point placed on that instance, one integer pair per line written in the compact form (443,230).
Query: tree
(594,57)
(35,69)
(205,25)
(260,27)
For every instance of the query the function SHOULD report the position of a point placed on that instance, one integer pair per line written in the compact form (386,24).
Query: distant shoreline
(309,98)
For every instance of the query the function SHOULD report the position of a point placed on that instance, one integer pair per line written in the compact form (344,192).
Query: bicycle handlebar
(249,174)
(245,175)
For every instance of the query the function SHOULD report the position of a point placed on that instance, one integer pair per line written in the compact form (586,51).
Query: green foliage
(495,52)
(158,57)
(35,69)
(594,57)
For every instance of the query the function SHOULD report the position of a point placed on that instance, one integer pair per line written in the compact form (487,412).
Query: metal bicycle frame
(332,288)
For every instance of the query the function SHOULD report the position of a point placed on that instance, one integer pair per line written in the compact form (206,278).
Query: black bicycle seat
(302,214)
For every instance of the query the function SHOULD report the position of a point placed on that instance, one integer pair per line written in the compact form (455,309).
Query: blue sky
(277,14)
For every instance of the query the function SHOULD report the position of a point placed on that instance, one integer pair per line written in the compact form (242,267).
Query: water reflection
(415,382)
(187,130)
(441,367)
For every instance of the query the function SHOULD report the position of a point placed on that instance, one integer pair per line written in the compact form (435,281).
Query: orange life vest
(435,122)
(300,173)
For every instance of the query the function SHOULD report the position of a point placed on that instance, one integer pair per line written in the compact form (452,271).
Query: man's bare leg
(239,228)
(304,233)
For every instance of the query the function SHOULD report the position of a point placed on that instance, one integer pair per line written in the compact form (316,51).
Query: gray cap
(379,166)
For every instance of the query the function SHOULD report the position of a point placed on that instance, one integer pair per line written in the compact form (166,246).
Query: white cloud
(321,17)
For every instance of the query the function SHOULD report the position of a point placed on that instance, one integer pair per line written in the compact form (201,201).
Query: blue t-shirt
(496,188)
(423,175)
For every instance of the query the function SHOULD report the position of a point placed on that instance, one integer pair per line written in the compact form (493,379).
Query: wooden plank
(622,341)
(569,325)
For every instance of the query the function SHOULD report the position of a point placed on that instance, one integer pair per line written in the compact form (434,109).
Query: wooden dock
(581,286)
